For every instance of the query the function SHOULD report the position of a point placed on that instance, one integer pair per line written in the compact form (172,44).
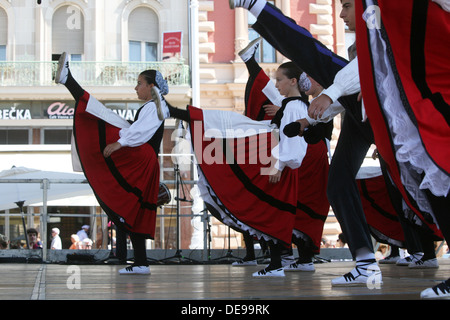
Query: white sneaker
(63,69)
(135,270)
(440,291)
(365,273)
(249,51)
(409,259)
(300,267)
(389,260)
(243,263)
(424,264)
(264,273)
(247,4)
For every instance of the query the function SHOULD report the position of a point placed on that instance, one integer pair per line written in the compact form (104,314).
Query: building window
(143,35)
(68,31)
(2,53)
(14,136)
(265,53)
(143,51)
(57,136)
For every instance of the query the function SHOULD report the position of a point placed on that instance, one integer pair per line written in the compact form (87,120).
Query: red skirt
(312,205)
(236,187)
(380,214)
(126,184)
(312,202)
(417,47)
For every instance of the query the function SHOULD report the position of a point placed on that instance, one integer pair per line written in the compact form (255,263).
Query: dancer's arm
(143,129)
(346,82)
(297,44)
(140,132)
(271,110)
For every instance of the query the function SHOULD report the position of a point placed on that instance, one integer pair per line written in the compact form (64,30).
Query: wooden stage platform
(219,282)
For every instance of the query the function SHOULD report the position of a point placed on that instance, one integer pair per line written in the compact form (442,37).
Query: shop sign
(60,110)
(56,110)
(15,114)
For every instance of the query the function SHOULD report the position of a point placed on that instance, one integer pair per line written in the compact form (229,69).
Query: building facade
(110,42)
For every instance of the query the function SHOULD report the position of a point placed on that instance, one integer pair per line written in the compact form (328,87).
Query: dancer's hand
(296,128)
(276,177)
(110,148)
(271,110)
(318,106)
(304,124)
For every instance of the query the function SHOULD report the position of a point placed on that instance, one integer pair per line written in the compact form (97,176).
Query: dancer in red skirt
(120,160)
(249,178)
(263,101)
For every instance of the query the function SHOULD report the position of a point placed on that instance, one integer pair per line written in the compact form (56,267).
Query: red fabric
(380,214)
(256,99)
(312,203)
(241,188)
(312,193)
(433,128)
(435,134)
(126,184)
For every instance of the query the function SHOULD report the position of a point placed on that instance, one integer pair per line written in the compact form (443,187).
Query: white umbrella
(21,186)
(26,184)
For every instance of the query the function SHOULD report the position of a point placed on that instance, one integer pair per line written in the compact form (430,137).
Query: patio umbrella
(21,184)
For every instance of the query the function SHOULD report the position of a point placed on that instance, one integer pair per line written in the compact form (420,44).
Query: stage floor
(205,282)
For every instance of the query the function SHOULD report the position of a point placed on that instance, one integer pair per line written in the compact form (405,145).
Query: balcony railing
(42,73)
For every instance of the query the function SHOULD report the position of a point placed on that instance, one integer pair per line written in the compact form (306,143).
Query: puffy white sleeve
(142,130)
(346,82)
(272,93)
(290,151)
(334,109)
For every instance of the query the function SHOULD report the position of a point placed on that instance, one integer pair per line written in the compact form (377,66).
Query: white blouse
(143,129)
(290,151)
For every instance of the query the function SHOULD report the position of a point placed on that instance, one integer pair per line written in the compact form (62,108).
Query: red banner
(172,42)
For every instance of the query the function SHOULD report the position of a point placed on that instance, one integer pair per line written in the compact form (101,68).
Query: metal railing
(42,73)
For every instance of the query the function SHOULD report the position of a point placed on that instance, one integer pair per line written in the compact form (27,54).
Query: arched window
(68,32)
(143,35)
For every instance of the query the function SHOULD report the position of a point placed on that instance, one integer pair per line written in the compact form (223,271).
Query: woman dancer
(120,160)
(312,206)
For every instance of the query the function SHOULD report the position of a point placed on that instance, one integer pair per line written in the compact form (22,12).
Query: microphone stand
(20,205)
(229,256)
(178,257)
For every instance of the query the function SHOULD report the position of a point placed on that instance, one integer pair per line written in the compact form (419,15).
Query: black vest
(154,141)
